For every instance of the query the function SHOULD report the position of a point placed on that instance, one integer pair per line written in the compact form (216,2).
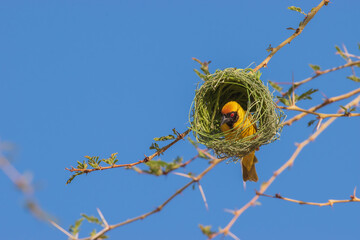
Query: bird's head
(229,115)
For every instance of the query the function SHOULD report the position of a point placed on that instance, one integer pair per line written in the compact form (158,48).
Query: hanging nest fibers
(245,87)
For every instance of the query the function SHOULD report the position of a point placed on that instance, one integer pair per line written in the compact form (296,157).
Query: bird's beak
(223,120)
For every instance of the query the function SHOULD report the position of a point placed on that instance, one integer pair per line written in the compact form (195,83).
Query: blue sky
(96,77)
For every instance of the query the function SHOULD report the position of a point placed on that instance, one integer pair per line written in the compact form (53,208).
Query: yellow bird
(233,118)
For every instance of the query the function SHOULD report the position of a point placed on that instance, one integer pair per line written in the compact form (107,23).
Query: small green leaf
(354,78)
(156,167)
(206,230)
(155,146)
(73,176)
(93,233)
(311,122)
(348,110)
(296,9)
(92,161)
(164,138)
(92,219)
(202,154)
(178,160)
(306,95)
(269,48)
(74,229)
(315,67)
(275,86)
(80,165)
(175,132)
(114,155)
(170,167)
(284,100)
(341,53)
(111,160)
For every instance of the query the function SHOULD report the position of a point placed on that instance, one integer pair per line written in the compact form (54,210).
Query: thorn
(352,197)
(102,217)
(203,195)
(229,211)
(233,236)
(182,174)
(318,125)
(324,95)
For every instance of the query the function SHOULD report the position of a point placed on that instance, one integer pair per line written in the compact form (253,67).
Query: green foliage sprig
(75,228)
(95,162)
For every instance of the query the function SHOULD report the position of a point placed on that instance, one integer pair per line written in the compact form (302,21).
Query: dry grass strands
(245,87)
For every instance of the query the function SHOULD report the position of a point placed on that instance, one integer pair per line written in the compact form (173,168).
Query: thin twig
(62,230)
(166,172)
(348,55)
(146,159)
(319,73)
(320,115)
(182,174)
(330,202)
(326,102)
(203,196)
(297,32)
(233,236)
(102,217)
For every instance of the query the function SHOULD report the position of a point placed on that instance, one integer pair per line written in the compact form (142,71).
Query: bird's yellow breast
(247,127)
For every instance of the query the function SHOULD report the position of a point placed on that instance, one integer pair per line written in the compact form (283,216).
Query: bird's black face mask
(229,119)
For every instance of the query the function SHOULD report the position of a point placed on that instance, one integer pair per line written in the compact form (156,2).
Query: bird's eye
(232,115)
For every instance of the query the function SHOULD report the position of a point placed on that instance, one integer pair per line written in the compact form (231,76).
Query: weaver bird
(233,119)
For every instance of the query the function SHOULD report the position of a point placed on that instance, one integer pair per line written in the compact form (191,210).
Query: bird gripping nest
(245,87)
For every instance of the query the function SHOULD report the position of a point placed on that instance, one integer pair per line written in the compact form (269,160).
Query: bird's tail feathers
(248,167)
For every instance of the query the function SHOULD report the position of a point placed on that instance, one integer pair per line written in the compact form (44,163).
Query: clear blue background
(97,77)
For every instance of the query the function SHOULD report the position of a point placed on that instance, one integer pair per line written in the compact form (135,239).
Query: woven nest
(246,88)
